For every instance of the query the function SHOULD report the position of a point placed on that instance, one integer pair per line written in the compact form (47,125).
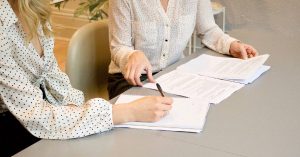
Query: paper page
(195,86)
(224,67)
(259,72)
(186,115)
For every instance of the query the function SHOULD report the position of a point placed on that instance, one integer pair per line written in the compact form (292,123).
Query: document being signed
(187,114)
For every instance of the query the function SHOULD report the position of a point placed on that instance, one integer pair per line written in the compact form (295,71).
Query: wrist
(123,113)
(131,112)
(135,52)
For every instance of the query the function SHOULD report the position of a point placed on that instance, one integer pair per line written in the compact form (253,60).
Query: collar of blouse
(47,78)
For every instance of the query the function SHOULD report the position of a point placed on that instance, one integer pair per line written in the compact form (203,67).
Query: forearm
(46,120)
(217,40)
(212,36)
(120,33)
(64,122)
(120,54)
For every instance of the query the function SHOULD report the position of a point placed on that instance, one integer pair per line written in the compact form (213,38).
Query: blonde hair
(35,13)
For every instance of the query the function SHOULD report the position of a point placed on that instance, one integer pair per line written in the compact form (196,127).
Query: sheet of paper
(224,67)
(195,86)
(186,115)
(259,72)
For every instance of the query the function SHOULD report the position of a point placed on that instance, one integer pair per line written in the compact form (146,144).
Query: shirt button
(166,40)
(164,55)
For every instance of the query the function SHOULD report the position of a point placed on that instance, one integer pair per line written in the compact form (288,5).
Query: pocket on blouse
(145,34)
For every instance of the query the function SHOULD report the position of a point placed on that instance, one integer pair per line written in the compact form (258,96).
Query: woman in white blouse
(35,94)
(147,36)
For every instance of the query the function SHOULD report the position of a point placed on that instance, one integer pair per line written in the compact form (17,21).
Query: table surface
(261,119)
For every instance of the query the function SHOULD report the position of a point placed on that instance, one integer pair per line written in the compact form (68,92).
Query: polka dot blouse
(37,93)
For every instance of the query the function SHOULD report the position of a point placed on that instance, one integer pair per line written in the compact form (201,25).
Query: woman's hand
(146,109)
(243,51)
(137,63)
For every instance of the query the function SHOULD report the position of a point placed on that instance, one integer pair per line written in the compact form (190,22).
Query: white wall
(282,16)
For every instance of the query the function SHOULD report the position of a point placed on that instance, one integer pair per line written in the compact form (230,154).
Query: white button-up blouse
(162,36)
(37,93)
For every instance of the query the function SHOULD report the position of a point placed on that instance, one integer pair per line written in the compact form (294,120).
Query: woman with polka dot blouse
(37,100)
(147,36)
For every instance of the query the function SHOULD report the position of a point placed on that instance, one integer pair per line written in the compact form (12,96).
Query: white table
(261,119)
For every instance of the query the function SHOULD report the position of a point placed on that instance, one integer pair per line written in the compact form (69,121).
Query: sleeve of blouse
(211,34)
(69,94)
(42,119)
(120,29)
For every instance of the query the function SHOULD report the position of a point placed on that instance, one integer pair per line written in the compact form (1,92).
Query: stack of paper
(211,78)
(208,78)
(251,79)
(186,115)
(238,70)
(195,86)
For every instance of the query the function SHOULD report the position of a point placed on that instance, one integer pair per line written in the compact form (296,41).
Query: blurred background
(253,21)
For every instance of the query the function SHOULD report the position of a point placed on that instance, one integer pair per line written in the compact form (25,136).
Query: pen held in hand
(160,90)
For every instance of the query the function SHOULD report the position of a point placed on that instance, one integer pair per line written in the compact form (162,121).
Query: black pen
(160,90)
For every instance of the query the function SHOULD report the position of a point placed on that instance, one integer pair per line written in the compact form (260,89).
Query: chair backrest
(88,59)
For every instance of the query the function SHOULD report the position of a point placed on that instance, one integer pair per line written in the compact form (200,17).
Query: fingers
(163,103)
(151,108)
(127,73)
(134,73)
(160,103)
(148,70)
(166,100)
(251,52)
(137,76)
(243,52)
(164,107)
(149,74)
(136,64)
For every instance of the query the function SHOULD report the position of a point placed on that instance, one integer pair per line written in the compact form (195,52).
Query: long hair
(35,13)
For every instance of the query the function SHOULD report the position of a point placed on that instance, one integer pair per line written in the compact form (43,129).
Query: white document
(224,67)
(259,72)
(186,115)
(195,86)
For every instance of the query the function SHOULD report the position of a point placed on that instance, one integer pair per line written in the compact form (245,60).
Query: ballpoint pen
(160,90)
